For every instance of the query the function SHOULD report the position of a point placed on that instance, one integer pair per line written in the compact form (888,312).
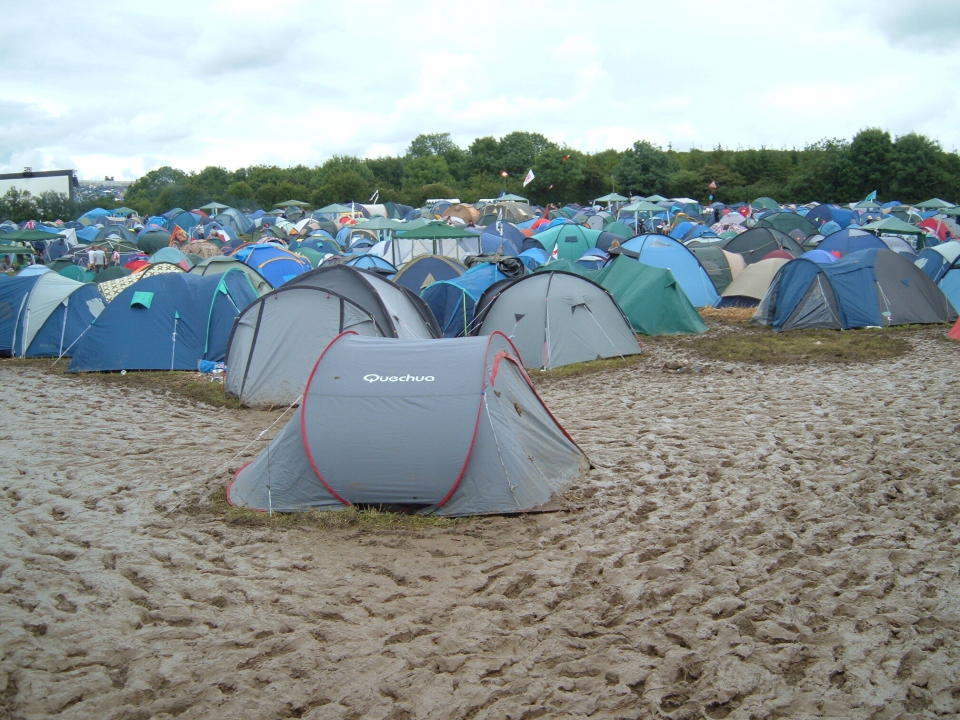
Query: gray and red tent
(446,427)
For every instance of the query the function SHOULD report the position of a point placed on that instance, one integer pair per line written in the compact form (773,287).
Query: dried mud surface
(753,542)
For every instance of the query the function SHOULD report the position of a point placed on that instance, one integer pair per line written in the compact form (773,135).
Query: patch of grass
(586,368)
(193,386)
(727,316)
(362,519)
(761,346)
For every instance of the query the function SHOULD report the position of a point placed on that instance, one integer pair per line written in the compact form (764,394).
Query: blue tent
(825,213)
(375,263)
(819,256)
(273,262)
(169,321)
(43,315)
(941,263)
(868,288)
(665,252)
(425,270)
(453,301)
(850,240)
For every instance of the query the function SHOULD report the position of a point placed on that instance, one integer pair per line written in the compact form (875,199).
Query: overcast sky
(121,88)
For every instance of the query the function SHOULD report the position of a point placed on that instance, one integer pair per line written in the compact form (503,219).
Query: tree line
(909,168)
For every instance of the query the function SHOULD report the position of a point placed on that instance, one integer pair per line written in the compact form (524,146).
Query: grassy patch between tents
(586,368)
(727,316)
(348,518)
(762,346)
(193,386)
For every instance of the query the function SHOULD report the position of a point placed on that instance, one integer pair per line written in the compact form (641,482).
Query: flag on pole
(871,197)
(529,178)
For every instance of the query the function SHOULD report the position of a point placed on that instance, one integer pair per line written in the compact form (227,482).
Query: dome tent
(556,318)
(276,339)
(44,315)
(867,288)
(445,427)
(169,321)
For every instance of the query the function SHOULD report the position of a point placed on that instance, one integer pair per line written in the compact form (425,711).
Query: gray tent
(556,318)
(276,339)
(448,427)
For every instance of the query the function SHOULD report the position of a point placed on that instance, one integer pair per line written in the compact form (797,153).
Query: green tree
(559,175)
(598,175)
(426,170)
(211,183)
(18,205)
(425,145)
(239,194)
(519,151)
(643,169)
(917,172)
(53,205)
(485,157)
(871,152)
(387,171)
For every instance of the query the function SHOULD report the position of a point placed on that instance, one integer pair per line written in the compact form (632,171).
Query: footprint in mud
(137,580)
(63,604)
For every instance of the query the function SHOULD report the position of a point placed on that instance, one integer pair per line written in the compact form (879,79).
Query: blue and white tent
(44,315)
(170,321)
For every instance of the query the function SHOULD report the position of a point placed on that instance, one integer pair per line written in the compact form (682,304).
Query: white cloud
(235,83)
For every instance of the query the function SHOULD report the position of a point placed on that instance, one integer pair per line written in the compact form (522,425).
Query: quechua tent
(446,427)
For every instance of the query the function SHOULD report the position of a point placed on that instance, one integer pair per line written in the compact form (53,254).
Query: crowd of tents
(266,294)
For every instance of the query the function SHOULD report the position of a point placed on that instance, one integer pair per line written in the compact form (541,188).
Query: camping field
(769,531)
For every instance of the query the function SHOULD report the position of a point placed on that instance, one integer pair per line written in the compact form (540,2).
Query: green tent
(892,226)
(18,236)
(214,207)
(611,198)
(570,240)
(292,203)
(934,204)
(621,230)
(765,203)
(123,211)
(381,223)
(75,272)
(787,222)
(433,231)
(334,209)
(314,256)
(650,297)
(513,197)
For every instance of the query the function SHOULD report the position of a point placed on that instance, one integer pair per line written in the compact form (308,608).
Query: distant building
(38,182)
